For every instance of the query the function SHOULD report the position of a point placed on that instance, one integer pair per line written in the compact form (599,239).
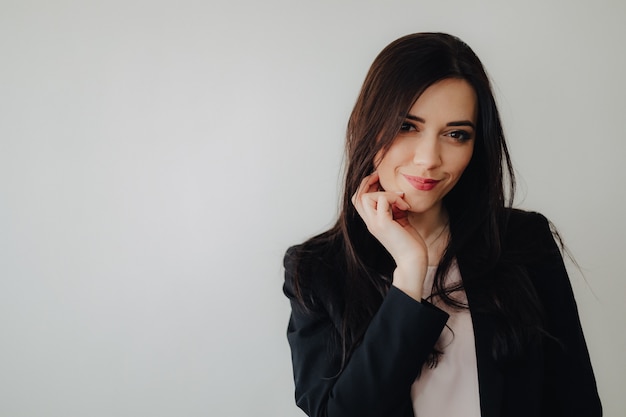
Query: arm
(377,378)
(569,386)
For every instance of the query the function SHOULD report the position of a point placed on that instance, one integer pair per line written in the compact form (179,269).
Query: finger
(372,183)
(368,184)
(365,203)
(399,201)
(383,208)
(398,213)
(368,205)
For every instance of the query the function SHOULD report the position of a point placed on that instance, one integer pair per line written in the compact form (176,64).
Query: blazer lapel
(490,377)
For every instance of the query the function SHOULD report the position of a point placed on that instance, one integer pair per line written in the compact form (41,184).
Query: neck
(430,224)
(433,228)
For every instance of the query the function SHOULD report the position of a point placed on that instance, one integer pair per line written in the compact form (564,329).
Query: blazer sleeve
(569,385)
(376,379)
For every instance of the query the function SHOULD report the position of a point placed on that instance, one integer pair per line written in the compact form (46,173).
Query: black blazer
(556,380)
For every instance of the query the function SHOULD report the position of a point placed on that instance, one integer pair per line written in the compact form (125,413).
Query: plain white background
(158,157)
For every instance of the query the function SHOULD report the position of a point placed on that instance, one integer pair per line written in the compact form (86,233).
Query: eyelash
(461,135)
(407,127)
(457,135)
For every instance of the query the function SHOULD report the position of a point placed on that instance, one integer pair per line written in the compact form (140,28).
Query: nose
(427,152)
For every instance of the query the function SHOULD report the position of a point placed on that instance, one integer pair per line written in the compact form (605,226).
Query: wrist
(410,279)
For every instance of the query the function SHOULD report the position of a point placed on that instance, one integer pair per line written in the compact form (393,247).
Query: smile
(420,183)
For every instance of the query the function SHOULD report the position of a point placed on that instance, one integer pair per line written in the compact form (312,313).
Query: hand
(385,215)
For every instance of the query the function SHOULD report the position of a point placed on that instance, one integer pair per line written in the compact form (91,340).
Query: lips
(421,183)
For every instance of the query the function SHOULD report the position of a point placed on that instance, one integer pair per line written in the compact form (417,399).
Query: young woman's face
(434,146)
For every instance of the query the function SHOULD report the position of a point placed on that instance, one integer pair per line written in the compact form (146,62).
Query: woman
(431,296)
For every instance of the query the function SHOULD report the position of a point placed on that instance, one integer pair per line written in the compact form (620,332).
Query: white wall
(157,158)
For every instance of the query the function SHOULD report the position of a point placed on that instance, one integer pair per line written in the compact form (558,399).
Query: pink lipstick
(420,183)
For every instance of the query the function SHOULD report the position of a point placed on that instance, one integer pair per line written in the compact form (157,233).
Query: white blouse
(451,388)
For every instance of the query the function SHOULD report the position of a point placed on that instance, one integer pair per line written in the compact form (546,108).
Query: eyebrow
(455,123)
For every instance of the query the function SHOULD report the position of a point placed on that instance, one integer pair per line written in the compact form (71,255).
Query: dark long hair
(476,206)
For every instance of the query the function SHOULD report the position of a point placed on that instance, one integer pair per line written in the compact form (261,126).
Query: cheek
(378,159)
(381,162)
(462,161)
(386,175)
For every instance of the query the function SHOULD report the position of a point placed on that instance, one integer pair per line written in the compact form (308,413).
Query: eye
(460,135)
(407,127)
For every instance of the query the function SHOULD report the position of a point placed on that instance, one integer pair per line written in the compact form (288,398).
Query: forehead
(448,99)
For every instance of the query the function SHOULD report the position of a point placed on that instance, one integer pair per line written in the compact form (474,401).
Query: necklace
(443,229)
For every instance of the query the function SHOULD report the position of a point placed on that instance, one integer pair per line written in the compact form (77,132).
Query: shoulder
(533,243)
(529,232)
(319,255)
(521,220)
(314,270)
